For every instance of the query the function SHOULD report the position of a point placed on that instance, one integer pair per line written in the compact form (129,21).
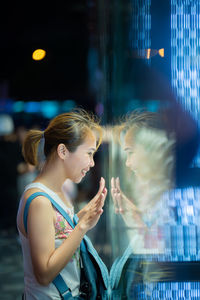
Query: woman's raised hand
(90,214)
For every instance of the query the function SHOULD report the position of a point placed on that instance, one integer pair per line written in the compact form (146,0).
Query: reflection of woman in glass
(50,242)
(150,158)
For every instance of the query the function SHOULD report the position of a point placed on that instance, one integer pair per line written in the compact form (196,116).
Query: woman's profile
(55,252)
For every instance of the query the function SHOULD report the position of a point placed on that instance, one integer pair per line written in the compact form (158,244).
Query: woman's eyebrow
(127,148)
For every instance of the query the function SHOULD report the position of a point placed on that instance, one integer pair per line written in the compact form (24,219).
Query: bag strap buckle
(65,295)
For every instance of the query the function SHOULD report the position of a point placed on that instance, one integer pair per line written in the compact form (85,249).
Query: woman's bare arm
(48,261)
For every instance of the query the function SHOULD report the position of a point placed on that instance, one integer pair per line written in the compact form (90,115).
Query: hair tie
(40,154)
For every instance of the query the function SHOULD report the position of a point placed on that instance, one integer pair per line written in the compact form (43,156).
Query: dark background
(63,30)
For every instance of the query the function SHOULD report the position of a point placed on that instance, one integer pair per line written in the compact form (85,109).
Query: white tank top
(70,274)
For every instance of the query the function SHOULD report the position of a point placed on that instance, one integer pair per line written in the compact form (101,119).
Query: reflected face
(129,149)
(80,161)
(135,153)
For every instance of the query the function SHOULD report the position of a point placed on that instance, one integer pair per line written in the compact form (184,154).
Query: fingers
(119,195)
(118,184)
(122,199)
(103,195)
(101,200)
(98,202)
(112,183)
(92,216)
(101,187)
(114,194)
(113,188)
(120,202)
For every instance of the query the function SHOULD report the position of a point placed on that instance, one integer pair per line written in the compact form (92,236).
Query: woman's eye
(90,153)
(129,153)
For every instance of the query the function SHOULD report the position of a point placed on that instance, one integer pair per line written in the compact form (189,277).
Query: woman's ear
(62,151)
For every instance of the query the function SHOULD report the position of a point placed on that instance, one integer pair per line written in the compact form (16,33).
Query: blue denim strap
(87,246)
(62,287)
(117,267)
(55,204)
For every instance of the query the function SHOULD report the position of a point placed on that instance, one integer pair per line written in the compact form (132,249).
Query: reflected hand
(122,204)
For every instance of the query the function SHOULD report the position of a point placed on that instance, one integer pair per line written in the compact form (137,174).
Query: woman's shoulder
(35,188)
(39,205)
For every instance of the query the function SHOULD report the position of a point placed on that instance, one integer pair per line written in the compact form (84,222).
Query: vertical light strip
(140,28)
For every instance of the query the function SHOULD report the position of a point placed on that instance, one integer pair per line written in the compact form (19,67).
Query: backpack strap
(87,251)
(55,204)
(118,265)
(59,282)
(103,269)
(62,287)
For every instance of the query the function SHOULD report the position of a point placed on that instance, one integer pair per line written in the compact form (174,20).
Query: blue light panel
(185,59)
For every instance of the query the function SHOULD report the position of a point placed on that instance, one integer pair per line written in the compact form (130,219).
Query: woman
(50,243)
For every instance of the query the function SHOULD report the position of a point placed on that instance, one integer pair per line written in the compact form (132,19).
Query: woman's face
(80,161)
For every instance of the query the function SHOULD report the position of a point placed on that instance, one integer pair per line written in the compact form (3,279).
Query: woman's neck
(52,177)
